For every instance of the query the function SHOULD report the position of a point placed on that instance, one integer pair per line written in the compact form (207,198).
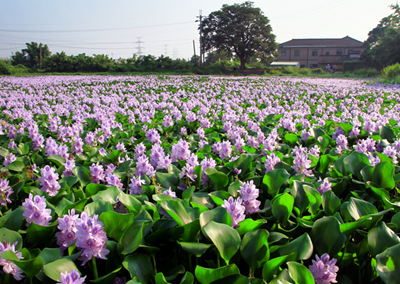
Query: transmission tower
(200,17)
(165,51)
(175,54)
(139,47)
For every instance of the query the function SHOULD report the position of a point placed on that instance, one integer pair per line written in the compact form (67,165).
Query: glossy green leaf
(13,220)
(30,267)
(108,278)
(97,207)
(254,248)
(132,236)
(50,254)
(248,225)
(134,206)
(11,237)
(326,236)
(300,274)
(274,180)
(16,166)
(167,180)
(270,268)
(55,268)
(93,188)
(177,211)
(197,249)
(115,223)
(219,178)
(299,248)
(324,162)
(355,162)
(301,201)
(208,275)
(380,238)
(188,278)
(139,265)
(57,159)
(386,133)
(37,234)
(224,237)
(383,175)
(160,279)
(330,203)
(282,207)
(219,215)
(388,265)
(244,163)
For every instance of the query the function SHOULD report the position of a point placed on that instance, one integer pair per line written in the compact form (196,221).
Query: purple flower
(97,173)
(48,181)
(8,265)
(323,270)
(135,187)
(226,150)
(90,238)
(180,151)
(271,161)
(9,159)
(248,191)
(235,209)
(69,165)
(66,237)
(324,186)
(5,191)
(35,210)
(252,206)
(72,277)
(113,180)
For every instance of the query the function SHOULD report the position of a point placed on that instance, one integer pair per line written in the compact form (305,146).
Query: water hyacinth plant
(197,179)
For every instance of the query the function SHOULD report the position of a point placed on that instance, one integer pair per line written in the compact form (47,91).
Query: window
(302,65)
(339,52)
(313,65)
(283,52)
(315,52)
(327,53)
(297,52)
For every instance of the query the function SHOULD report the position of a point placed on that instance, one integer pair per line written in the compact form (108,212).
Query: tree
(30,56)
(383,43)
(239,29)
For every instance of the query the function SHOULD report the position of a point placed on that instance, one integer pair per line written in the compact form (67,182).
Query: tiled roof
(322,42)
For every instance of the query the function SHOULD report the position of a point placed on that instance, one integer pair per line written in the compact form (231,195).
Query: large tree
(383,43)
(30,56)
(240,29)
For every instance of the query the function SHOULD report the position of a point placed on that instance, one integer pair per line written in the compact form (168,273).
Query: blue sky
(168,27)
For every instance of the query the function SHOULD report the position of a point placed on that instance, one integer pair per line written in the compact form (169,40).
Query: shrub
(5,69)
(364,72)
(305,71)
(349,66)
(317,70)
(290,70)
(392,71)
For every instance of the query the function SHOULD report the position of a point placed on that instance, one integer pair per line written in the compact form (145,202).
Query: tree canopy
(30,56)
(383,43)
(239,29)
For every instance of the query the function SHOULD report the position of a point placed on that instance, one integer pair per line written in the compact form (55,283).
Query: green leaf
(177,211)
(50,254)
(300,248)
(13,220)
(37,234)
(380,238)
(358,208)
(355,162)
(30,267)
(301,200)
(270,268)
(108,278)
(244,163)
(383,175)
(134,206)
(324,162)
(330,202)
(16,166)
(11,237)
(84,175)
(254,248)
(326,236)
(93,188)
(139,265)
(56,159)
(274,180)
(55,268)
(282,207)
(219,178)
(347,127)
(167,180)
(97,207)
(224,237)
(188,278)
(388,265)
(115,223)
(160,279)
(300,274)
(197,249)
(133,236)
(386,133)
(209,275)
(219,215)
(248,225)
(291,138)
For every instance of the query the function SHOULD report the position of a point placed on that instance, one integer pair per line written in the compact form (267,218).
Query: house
(318,52)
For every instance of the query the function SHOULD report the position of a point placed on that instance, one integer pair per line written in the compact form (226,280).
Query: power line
(90,30)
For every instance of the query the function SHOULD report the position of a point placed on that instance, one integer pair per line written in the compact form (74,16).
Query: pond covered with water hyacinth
(196,179)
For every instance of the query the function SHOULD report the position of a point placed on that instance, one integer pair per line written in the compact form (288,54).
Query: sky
(120,28)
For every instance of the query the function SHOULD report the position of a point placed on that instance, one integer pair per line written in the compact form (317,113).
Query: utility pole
(194,49)
(200,17)
(139,48)
(40,56)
